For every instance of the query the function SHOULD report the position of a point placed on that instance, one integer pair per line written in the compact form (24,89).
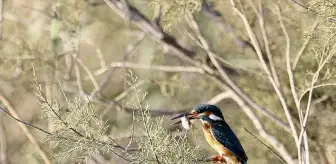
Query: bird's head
(202,111)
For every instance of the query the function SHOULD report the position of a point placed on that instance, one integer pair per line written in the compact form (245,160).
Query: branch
(304,45)
(217,17)
(291,80)
(3,148)
(149,67)
(266,41)
(266,146)
(1,18)
(31,138)
(132,14)
(265,68)
(309,102)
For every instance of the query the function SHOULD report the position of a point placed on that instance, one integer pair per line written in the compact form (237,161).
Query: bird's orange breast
(217,145)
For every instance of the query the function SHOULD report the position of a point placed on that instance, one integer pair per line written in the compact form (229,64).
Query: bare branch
(314,79)
(31,138)
(266,41)
(217,17)
(304,45)
(264,66)
(291,78)
(128,12)
(3,147)
(1,18)
(149,67)
(220,97)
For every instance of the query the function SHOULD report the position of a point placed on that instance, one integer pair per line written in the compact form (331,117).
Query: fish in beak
(185,119)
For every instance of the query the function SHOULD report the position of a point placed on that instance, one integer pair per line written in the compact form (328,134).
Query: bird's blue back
(224,134)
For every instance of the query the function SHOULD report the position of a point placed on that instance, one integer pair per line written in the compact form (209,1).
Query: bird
(218,134)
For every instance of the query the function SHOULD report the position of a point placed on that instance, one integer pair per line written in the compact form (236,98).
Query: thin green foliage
(78,131)
(173,10)
(325,8)
(158,145)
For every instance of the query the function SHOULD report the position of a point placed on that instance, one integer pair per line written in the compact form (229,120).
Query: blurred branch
(31,138)
(3,147)
(260,16)
(304,45)
(1,18)
(299,3)
(88,71)
(217,17)
(220,97)
(130,48)
(265,68)
(150,67)
(132,14)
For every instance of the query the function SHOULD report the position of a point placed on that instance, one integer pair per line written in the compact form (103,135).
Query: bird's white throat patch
(214,117)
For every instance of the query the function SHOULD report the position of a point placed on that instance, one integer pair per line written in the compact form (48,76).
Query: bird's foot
(218,158)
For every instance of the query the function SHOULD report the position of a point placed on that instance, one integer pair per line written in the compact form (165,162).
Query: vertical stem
(1,18)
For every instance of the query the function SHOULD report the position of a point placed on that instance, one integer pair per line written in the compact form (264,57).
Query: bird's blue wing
(224,134)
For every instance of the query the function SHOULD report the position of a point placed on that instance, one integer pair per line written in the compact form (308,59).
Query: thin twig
(217,17)
(27,124)
(309,101)
(130,48)
(143,112)
(88,71)
(266,146)
(304,45)
(315,87)
(23,125)
(299,4)
(291,77)
(132,133)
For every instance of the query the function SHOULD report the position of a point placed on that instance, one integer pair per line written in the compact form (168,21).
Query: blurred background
(84,48)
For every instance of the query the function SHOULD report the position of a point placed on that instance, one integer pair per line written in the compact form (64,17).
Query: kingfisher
(218,134)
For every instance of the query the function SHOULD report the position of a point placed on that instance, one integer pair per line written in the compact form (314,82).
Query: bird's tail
(243,162)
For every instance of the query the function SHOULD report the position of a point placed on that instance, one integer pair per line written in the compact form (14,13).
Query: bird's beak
(190,116)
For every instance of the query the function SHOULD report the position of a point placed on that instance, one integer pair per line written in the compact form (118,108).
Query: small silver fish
(186,124)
